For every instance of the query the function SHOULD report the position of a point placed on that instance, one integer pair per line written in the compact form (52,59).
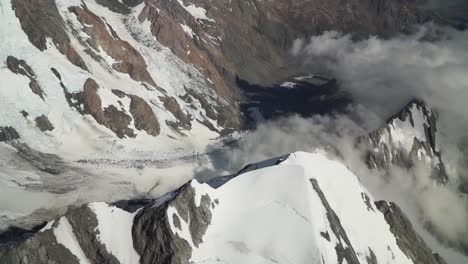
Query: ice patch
(48,226)
(196,12)
(187,30)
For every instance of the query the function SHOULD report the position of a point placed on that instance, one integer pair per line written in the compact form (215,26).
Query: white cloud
(382,75)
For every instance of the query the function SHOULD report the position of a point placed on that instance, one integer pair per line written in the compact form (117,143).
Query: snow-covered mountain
(301,208)
(111,94)
(104,100)
(115,76)
(410,140)
(82,75)
(408,137)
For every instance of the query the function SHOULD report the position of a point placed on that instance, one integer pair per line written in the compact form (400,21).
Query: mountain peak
(409,136)
(319,210)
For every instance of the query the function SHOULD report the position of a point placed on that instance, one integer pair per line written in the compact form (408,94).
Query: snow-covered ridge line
(299,208)
(407,137)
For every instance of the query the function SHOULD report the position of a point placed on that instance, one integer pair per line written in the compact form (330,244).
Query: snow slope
(119,243)
(76,136)
(65,236)
(100,166)
(274,215)
(305,208)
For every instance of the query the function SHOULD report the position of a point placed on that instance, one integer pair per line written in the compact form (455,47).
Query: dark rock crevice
(22,68)
(153,237)
(343,251)
(410,243)
(8,134)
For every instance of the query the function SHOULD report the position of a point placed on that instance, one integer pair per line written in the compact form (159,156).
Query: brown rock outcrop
(89,102)
(40,19)
(117,120)
(172,106)
(43,123)
(8,133)
(166,20)
(143,116)
(111,117)
(252,38)
(238,38)
(129,60)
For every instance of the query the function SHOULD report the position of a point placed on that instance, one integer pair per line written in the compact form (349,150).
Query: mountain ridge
(176,227)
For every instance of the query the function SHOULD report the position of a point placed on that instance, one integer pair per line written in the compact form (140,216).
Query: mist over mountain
(195,131)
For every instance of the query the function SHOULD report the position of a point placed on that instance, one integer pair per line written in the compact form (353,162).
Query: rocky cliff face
(112,79)
(252,38)
(410,140)
(180,57)
(224,221)
(408,137)
(176,61)
(408,240)
(100,66)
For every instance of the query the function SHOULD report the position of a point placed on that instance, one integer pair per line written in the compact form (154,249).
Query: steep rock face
(183,120)
(119,120)
(190,51)
(409,136)
(41,20)
(143,116)
(166,97)
(409,140)
(155,228)
(282,210)
(111,117)
(182,58)
(8,134)
(381,17)
(408,240)
(177,29)
(127,59)
(142,113)
(252,38)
